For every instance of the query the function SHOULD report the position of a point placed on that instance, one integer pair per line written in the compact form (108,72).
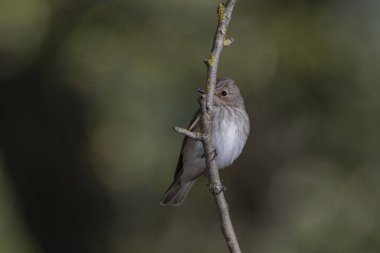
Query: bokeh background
(90,90)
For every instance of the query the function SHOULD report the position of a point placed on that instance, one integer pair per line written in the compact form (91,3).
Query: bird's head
(226,93)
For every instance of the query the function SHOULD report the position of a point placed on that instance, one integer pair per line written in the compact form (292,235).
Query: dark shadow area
(44,148)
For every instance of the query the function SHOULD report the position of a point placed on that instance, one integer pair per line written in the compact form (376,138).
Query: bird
(230,129)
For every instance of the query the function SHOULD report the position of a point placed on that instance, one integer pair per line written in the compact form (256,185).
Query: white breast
(228,140)
(229,137)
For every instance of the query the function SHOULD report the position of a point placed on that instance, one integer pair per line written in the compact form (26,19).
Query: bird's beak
(202,91)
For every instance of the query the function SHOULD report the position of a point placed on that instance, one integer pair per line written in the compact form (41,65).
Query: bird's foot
(214,154)
(217,188)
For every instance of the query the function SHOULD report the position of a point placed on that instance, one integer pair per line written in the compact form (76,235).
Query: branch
(216,186)
(193,135)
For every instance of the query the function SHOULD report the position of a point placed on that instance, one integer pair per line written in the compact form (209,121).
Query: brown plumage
(230,125)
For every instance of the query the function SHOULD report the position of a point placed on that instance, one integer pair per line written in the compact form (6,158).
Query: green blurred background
(90,90)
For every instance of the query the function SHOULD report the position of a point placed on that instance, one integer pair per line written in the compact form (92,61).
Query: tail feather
(176,193)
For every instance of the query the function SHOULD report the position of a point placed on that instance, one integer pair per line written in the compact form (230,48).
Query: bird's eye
(224,93)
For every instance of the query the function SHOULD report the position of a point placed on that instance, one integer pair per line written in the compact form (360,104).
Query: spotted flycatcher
(230,124)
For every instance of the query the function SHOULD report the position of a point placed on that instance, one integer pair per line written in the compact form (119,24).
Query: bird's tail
(176,193)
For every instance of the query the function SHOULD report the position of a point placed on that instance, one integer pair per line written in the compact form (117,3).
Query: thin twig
(224,17)
(193,135)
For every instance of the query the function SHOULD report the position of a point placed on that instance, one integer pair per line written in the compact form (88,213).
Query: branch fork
(194,135)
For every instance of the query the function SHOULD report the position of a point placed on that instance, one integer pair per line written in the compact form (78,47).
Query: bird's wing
(193,126)
(194,123)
